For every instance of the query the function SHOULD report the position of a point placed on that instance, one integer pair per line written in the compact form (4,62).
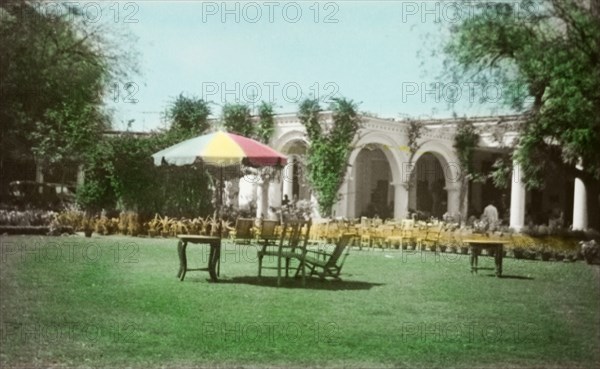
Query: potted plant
(545,252)
(92,198)
(122,226)
(590,251)
(133,225)
(531,253)
(87,224)
(165,226)
(102,225)
(518,253)
(571,256)
(153,226)
(196,225)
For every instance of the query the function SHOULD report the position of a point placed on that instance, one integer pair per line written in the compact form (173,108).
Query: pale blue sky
(375,54)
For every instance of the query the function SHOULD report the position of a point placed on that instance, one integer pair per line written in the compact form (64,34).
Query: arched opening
(428,195)
(372,181)
(295,179)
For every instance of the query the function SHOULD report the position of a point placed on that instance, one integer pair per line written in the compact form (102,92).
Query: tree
(329,148)
(97,192)
(266,122)
(120,174)
(547,57)
(189,116)
(238,119)
(54,71)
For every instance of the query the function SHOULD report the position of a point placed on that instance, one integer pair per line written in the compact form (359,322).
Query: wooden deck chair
(332,231)
(267,233)
(317,234)
(409,234)
(327,264)
(395,238)
(243,233)
(382,233)
(432,237)
(293,240)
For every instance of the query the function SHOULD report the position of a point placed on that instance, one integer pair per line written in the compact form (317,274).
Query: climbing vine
(415,132)
(329,149)
(466,140)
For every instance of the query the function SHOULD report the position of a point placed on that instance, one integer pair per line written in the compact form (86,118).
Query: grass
(115,301)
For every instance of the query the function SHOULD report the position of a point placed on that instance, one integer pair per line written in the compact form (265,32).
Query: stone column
(412,194)
(288,179)
(517,200)
(315,205)
(262,199)
(400,200)
(580,213)
(453,201)
(275,193)
(342,207)
(351,197)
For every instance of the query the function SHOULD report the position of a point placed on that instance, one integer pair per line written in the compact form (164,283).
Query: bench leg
(498,258)
(474,254)
(278,270)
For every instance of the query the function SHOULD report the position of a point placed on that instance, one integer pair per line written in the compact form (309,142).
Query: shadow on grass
(507,276)
(311,283)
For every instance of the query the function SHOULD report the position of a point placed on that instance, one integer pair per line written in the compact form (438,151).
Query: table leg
(218,258)
(498,258)
(183,260)
(474,258)
(215,253)
(279,267)
(179,253)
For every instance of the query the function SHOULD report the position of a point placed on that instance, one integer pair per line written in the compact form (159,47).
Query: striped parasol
(220,149)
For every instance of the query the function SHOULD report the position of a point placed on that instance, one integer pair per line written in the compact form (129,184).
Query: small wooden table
(213,258)
(477,245)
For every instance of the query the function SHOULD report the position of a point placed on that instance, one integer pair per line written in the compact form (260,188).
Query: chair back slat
(268,228)
(294,234)
(339,249)
(243,228)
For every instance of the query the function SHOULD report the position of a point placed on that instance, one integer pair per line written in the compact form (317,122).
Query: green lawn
(115,301)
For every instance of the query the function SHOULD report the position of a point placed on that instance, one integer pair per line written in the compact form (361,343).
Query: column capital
(405,185)
(452,187)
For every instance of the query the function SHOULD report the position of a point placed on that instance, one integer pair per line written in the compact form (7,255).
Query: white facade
(381,175)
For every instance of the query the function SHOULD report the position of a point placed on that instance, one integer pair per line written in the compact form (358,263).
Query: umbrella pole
(220,202)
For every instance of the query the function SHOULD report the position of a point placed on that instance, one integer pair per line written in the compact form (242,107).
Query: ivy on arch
(329,147)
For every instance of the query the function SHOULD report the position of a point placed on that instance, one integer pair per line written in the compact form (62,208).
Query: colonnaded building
(380,171)
(383,181)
